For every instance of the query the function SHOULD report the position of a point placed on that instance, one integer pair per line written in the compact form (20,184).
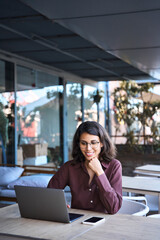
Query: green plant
(97,95)
(128,110)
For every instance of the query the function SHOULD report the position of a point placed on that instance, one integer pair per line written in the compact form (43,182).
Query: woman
(94,176)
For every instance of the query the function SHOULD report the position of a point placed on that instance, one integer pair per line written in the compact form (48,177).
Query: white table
(116,227)
(150,186)
(148,170)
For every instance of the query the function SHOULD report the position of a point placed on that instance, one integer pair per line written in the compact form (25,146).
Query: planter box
(34,150)
(130,158)
(40,160)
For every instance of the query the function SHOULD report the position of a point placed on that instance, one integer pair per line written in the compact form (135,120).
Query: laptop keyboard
(74,216)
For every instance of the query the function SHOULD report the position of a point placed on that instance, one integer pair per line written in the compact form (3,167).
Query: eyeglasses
(93,144)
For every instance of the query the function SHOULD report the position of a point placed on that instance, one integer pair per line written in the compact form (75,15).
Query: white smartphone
(94,220)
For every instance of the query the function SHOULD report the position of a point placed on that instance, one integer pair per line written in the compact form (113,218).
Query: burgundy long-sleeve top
(103,194)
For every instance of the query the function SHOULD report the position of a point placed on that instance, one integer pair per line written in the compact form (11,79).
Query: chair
(133,207)
(152,201)
(141,199)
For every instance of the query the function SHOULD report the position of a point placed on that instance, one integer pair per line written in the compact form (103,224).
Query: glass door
(38,117)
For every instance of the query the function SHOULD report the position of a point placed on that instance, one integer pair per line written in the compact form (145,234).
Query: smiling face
(90,146)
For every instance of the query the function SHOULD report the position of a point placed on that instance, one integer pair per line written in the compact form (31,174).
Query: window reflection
(102,104)
(7,112)
(74,111)
(90,107)
(38,114)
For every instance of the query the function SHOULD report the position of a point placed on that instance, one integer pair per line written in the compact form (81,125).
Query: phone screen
(93,219)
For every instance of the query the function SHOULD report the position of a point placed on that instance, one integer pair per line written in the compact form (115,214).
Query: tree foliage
(128,110)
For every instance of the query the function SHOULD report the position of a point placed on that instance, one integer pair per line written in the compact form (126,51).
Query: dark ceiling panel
(7,35)
(71,41)
(22,45)
(91,53)
(79,65)
(28,33)
(71,66)
(89,73)
(54,9)
(14,8)
(47,56)
(37,25)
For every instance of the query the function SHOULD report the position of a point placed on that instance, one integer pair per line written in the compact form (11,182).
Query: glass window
(73,91)
(102,104)
(38,116)
(7,113)
(90,107)
(2,76)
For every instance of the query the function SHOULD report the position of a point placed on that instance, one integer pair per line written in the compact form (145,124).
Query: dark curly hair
(108,151)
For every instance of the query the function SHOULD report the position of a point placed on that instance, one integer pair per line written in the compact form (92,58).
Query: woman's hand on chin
(96,166)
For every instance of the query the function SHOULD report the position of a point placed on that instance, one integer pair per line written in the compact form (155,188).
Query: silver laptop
(44,204)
